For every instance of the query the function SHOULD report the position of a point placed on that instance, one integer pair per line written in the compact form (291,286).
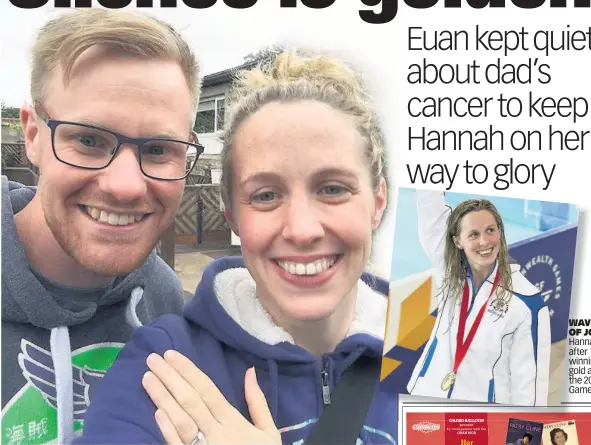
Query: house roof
(226,75)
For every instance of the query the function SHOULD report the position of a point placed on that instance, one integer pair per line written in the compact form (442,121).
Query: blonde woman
(491,340)
(303,186)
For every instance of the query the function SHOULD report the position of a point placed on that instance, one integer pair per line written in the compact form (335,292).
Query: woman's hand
(192,410)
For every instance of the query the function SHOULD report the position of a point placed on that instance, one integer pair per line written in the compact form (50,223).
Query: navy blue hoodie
(225,330)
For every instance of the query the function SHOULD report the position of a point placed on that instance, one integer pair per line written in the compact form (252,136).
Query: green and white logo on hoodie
(31,415)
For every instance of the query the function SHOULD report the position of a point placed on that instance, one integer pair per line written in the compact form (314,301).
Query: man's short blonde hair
(62,40)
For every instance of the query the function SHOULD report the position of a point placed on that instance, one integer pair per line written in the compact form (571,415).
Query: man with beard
(114,96)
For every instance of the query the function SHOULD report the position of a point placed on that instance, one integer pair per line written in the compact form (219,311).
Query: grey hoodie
(58,343)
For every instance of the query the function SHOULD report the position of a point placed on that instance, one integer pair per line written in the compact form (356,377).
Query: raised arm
(432,220)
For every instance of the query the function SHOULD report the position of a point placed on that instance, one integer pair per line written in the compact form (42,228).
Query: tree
(10,112)
(264,54)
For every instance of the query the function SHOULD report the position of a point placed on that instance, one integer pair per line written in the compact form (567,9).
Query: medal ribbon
(461,345)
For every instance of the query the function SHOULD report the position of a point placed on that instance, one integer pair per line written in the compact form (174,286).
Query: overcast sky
(220,35)
(217,48)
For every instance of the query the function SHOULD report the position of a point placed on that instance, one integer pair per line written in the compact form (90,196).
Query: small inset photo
(479,297)
(524,432)
(560,433)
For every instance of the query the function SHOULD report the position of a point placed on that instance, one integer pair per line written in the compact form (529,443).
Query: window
(210,116)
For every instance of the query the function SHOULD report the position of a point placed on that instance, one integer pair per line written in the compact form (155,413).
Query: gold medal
(448,380)
(462,345)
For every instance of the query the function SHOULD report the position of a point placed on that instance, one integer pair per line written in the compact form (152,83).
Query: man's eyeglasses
(94,148)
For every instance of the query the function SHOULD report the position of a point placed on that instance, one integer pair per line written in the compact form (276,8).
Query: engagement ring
(198,439)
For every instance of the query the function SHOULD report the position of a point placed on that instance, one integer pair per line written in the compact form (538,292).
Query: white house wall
(211,142)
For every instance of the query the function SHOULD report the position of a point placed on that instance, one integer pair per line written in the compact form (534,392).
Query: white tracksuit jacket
(509,358)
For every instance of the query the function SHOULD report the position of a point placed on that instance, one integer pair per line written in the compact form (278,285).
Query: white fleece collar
(236,291)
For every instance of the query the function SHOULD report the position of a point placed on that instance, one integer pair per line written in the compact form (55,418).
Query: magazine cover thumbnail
(524,432)
(560,433)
